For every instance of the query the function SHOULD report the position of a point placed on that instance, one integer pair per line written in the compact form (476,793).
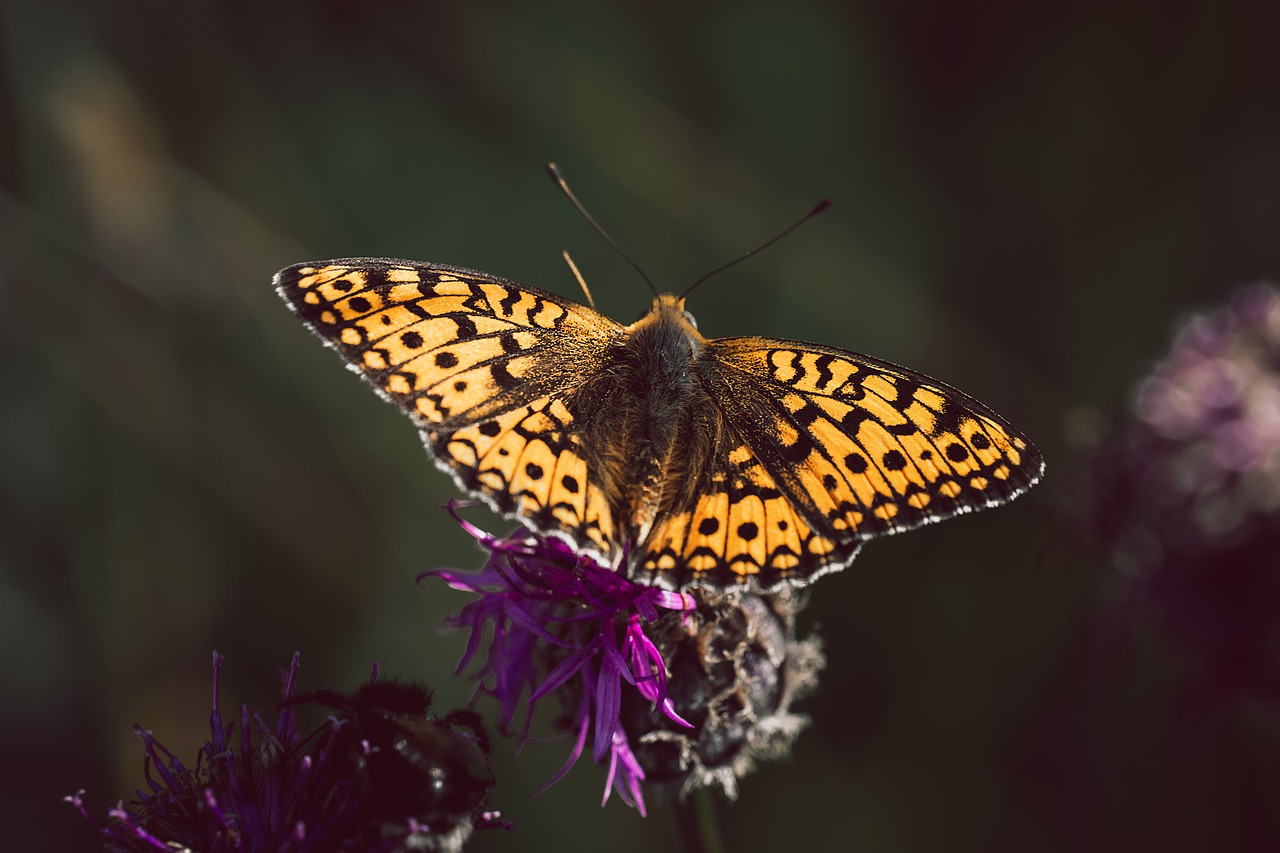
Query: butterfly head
(668,313)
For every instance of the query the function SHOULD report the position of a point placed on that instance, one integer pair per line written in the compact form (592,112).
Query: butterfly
(728,462)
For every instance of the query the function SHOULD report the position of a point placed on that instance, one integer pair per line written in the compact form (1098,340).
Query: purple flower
(681,690)
(1187,504)
(359,782)
(563,624)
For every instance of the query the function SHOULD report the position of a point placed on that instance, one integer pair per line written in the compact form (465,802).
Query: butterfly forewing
(866,447)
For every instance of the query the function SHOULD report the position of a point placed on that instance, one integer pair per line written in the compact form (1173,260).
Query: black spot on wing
(893,460)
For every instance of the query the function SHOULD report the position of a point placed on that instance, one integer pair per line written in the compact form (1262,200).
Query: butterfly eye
(692,322)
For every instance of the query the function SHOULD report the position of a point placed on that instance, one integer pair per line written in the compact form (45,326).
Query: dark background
(1028,199)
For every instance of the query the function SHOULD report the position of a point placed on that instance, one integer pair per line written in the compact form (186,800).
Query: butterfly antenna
(554,171)
(582,282)
(817,208)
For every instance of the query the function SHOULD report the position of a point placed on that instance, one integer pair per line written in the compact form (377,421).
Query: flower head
(736,668)
(563,624)
(381,776)
(1188,504)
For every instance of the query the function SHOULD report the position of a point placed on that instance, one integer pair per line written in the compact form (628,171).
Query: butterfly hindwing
(737,527)
(530,464)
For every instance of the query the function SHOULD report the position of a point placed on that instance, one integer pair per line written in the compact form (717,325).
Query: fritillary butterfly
(723,462)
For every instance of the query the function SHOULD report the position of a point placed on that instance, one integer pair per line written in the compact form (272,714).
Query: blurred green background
(1027,199)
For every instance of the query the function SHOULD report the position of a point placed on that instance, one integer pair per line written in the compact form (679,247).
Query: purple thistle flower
(275,790)
(1187,507)
(562,624)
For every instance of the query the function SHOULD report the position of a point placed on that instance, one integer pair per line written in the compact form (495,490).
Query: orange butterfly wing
(481,365)
(824,449)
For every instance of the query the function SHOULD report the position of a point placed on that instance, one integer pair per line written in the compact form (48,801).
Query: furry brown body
(647,417)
